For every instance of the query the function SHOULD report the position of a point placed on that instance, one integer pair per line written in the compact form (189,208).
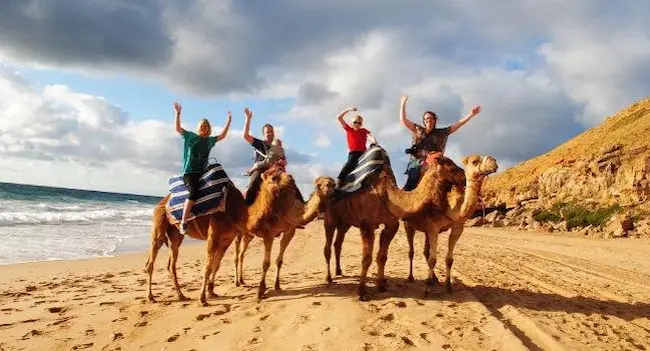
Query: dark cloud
(311,93)
(86,33)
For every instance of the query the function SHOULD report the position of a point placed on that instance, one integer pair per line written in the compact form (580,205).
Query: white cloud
(539,81)
(55,136)
(322,140)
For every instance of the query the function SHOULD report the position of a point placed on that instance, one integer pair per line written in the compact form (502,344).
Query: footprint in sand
(141,324)
(82,346)
(90,332)
(387,318)
(56,309)
(173,338)
(408,341)
(31,333)
(117,336)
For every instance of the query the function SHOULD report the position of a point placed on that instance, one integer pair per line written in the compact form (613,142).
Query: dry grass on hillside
(629,127)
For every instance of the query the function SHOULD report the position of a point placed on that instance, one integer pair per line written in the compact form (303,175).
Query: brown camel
(272,216)
(460,204)
(221,228)
(381,202)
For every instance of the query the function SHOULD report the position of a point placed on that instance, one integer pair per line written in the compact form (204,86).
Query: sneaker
(183,228)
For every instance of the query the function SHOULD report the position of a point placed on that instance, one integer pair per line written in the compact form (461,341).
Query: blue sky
(91,106)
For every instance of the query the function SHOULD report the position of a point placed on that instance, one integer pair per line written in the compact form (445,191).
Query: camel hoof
(212,295)
(363,296)
(237,283)
(183,298)
(277,287)
(431,282)
(449,289)
(151,298)
(382,286)
(203,303)
(261,290)
(329,279)
(411,279)
(339,272)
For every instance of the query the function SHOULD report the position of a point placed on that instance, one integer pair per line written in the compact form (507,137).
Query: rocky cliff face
(608,165)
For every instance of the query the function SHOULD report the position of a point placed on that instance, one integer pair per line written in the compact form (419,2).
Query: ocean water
(43,223)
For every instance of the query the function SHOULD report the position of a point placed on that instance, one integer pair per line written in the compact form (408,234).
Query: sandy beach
(513,291)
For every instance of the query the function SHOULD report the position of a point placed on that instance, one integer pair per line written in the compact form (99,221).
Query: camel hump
(212,191)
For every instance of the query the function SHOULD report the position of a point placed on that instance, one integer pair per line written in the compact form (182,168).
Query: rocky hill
(592,183)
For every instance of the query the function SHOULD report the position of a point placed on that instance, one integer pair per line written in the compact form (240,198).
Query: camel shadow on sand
(492,297)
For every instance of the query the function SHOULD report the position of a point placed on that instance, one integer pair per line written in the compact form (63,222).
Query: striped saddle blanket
(369,163)
(212,191)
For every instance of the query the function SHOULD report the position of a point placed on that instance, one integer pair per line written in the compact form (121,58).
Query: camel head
(478,167)
(324,186)
(274,180)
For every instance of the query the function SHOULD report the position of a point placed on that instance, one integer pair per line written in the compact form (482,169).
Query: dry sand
(513,291)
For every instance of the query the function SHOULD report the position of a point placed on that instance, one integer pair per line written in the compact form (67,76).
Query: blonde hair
(205,120)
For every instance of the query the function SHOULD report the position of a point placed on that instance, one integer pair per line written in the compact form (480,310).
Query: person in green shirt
(196,148)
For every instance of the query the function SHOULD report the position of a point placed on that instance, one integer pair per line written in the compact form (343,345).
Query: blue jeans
(413,170)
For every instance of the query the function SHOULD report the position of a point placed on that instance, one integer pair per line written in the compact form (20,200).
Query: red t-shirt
(356,138)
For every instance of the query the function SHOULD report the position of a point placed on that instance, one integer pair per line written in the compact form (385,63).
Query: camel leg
(456,231)
(426,249)
(237,243)
(286,239)
(327,251)
(175,242)
(338,246)
(268,245)
(368,241)
(386,236)
(432,280)
(211,249)
(246,240)
(158,238)
(410,235)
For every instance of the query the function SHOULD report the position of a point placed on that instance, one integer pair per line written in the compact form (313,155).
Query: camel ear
(263,176)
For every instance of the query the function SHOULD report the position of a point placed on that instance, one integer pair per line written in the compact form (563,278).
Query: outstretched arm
(177,118)
(226,128)
(247,126)
(402,114)
(342,114)
(475,111)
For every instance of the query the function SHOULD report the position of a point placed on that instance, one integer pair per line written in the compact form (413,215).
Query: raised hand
(248,113)
(476,110)
(404,98)
(177,107)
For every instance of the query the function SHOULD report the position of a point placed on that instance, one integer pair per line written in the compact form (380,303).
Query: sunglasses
(356,122)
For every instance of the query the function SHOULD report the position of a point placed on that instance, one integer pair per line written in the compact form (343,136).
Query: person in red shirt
(357,137)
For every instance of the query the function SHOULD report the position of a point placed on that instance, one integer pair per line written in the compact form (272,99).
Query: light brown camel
(461,201)
(221,228)
(381,202)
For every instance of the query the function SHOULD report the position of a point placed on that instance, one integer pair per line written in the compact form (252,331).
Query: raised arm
(247,126)
(342,114)
(177,118)
(402,114)
(372,139)
(475,111)
(226,128)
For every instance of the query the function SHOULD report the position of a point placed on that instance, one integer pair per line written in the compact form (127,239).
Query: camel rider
(262,147)
(196,148)
(427,139)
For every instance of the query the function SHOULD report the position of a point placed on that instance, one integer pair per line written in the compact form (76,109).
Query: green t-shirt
(196,151)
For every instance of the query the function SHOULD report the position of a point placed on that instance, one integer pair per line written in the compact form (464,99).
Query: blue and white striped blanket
(212,191)
(369,163)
